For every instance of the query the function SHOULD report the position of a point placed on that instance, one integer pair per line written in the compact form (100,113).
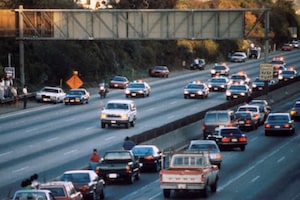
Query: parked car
(209,146)
(118,82)
(87,182)
(231,137)
(62,190)
(50,94)
(150,156)
(77,96)
(159,71)
(33,194)
(279,123)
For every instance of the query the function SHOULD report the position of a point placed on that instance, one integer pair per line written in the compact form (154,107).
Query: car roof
(78,171)
(56,183)
(120,101)
(144,145)
(279,114)
(202,142)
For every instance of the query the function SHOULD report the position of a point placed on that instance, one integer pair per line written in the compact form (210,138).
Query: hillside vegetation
(50,62)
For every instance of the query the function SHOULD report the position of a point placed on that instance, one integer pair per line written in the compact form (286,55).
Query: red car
(62,190)
(287,47)
(119,82)
(159,71)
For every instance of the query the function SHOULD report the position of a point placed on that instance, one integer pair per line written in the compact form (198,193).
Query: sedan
(149,155)
(288,74)
(229,137)
(246,120)
(279,123)
(220,69)
(119,82)
(196,89)
(77,96)
(209,146)
(238,57)
(87,182)
(295,111)
(237,91)
(62,190)
(218,83)
(259,85)
(287,47)
(138,88)
(159,71)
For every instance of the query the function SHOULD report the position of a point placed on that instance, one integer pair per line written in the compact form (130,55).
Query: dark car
(231,137)
(138,88)
(149,155)
(246,120)
(287,74)
(87,182)
(287,47)
(118,82)
(259,85)
(196,89)
(278,61)
(295,111)
(218,83)
(77,96)
(237,91)
(209,146)
(279,123)
(159,71)
(197,64)
(220,69)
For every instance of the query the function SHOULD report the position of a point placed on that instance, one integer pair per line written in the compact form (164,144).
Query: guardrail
(159,131)
(10,100)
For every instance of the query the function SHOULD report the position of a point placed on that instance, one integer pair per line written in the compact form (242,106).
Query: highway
(51,139)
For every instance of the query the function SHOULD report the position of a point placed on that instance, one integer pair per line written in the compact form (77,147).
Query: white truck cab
(119,112)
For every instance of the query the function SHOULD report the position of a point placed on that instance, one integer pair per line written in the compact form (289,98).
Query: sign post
(266,74)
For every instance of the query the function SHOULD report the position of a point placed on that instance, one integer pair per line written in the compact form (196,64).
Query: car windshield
(76,177)
(297,105)
(220,67)
(117,156)
(136,85)
(142,151)
(251,109)
(278,118)
(230,132)
(121,79)
(123,106)
(160,68)
(213,117)
(218,80)
(288,72)
(195,86)
(239,77)
(188,161)
(50,90)
(76,92)
(242,115)
(56,191)
(31,195)
(204,147)
(237,87)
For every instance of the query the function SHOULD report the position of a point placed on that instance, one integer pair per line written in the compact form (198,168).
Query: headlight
(185,92)
(213,71)
(200,92)
(124,116)
(228,93)
(280,77)
(253,85)
(103,115)
(243,93)
(127,92)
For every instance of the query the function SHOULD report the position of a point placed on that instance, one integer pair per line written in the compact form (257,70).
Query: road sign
(266,72)
(10,72)
(74,82)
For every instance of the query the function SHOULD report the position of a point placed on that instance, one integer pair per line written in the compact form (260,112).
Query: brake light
(149,158)
(242,139)
(293,112)
(84,189)
(267,126)
(287,126)
(248,121)
(225,139)
(203,127)
(256,116)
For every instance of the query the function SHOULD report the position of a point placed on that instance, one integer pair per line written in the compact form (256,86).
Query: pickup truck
(189,171)
(119,165)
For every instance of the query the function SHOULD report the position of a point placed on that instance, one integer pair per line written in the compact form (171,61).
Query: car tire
(102,125)
(167,193)
(132,124)
(267,133)
(138,176)
(127,125)
(130,179)
(243,148)
(102,195)
(214,186)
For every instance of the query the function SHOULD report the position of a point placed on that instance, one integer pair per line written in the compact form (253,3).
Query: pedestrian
(14,93)
(2,86)
(34,181)
(94,159)
(24,90)
(26,184)
(128,144)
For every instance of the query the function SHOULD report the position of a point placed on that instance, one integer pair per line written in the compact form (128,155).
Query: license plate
(46,99)
(241,122)
(215,88)
(113,121)
(276,126)
(181,186)
(112,175)
(133,94)
(71,100)
(192,95)
(235,96)
(233,140)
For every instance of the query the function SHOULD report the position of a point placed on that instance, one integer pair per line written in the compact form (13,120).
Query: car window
(143,151)
(56,191)
(117,156)
(278,118)
(202,147)
(211,117)
(77,177)
(229,132)
(223,117)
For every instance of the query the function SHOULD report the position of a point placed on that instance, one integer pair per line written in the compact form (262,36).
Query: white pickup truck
(189,171)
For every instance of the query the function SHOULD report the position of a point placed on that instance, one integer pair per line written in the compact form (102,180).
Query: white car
(255,109)
(33,194)
(238,57)
(119,112)
(50,94)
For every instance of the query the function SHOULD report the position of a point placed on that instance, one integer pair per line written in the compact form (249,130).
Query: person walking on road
(94,159)
(128,144)
(24,90)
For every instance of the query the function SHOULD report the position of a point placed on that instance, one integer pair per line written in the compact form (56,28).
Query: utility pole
(21,45)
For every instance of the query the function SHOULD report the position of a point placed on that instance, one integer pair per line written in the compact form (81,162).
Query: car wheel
(132,124)
(267,133)
(102,125)
(130,179)
(127,125)
(138,176)
(243,148)
(214,186)
(167,193)
(157,167)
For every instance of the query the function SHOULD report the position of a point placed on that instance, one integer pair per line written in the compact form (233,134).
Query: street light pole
(21,46)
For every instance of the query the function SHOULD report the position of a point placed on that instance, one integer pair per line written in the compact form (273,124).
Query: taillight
(149,158)
(267,126)
(225,139)
(242,139)
(248,121)
(203,127)
(84,189)
(256,116)
(287,126)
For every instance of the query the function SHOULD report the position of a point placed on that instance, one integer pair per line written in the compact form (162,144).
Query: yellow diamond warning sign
(74,82)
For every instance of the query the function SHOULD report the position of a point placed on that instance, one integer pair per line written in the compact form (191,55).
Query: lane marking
(70,152)
(6,153)
(52,139)
(281,159)
(254,179)
(110,138)
(20,169)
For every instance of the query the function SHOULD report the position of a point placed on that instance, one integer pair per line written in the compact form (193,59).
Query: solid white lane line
(5,153)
